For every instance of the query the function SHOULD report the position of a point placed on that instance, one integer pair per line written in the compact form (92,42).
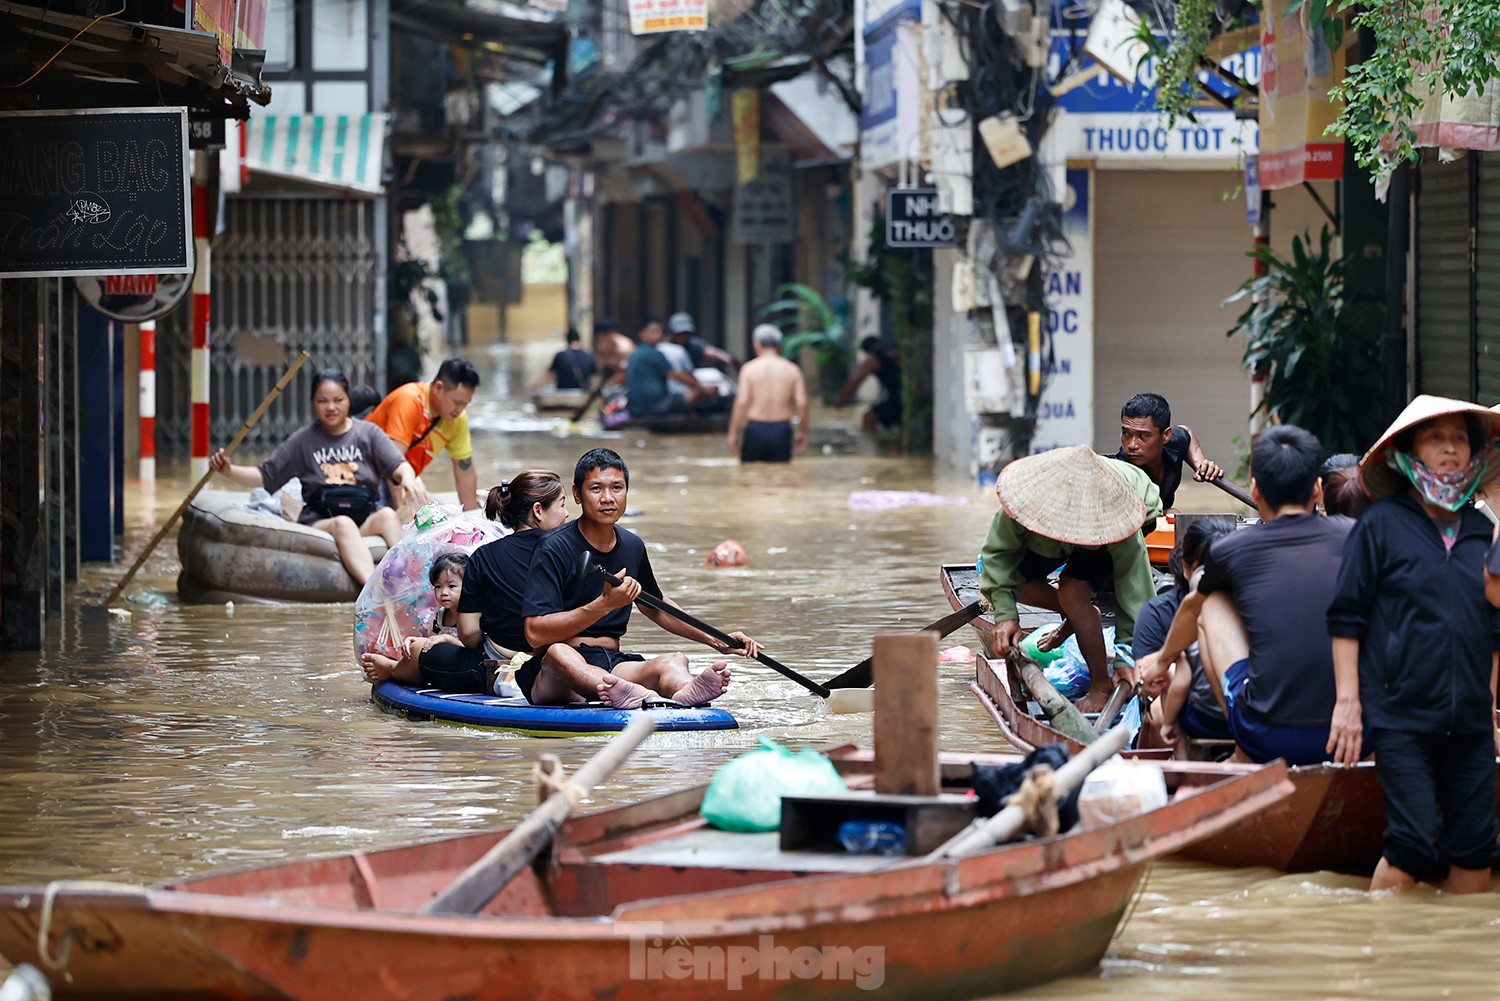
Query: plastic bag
(745,795)
(1120,789)
(397,601)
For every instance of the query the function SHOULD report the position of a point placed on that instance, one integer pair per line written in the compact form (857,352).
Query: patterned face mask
(1449,491)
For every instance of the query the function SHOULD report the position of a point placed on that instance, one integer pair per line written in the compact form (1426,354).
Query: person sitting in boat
(1256,607)
(589,617)
(571,368)
(612,351)
(650,376)
(1074,509)
(683,331)
(425,418)
(1189,708)
(1414,644)
(341,463)
(418,664)
(1148,439)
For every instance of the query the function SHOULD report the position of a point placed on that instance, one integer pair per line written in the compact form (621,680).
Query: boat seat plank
(710,848)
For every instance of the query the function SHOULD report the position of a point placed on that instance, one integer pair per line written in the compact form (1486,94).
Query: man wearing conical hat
(1256,609)
(1414,643)
(1080,511)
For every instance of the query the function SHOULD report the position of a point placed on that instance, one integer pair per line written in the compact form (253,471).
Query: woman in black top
(1414,644)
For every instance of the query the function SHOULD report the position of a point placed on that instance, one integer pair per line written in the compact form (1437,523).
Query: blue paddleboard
(519,716)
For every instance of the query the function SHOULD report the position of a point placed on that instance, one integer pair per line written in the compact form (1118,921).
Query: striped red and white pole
(202,316)
(147,385)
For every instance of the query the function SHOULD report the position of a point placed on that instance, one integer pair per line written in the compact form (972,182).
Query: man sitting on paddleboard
(590,616)
(1257,610)
(1149,440)
(1073,509)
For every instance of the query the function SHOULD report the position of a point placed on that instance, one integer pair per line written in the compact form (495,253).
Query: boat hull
(1334,820)
(600,922)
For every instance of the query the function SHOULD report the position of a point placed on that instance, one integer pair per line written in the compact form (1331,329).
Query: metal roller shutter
(1487,278)
(1444,355)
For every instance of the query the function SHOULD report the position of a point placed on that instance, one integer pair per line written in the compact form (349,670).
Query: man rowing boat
(583,619)
(1080,511)
(1149,440)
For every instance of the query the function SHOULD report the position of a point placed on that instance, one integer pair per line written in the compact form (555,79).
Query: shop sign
(134,298)
(649,17)
(96,192)
(914,218)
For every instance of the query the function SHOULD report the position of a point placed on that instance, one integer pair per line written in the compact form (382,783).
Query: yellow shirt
(407,412)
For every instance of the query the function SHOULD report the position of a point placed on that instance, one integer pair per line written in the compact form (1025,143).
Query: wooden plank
(906,732)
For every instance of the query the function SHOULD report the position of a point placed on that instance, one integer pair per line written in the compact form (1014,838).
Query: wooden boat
(642,901)
(230,553)
(1333,821)
(516,715)
(703,423)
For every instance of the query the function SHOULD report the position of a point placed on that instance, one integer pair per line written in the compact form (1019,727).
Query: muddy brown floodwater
(191,738)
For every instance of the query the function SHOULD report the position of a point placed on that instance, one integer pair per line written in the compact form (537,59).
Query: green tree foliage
(1316,342)
(1420,47)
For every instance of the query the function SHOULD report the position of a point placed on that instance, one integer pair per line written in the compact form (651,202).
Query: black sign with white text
(97,192)
(913,218)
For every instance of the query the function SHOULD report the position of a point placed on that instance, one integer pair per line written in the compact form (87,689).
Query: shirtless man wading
(771,392)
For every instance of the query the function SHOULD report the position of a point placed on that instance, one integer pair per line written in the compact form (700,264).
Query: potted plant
(1316,341)
(810,322)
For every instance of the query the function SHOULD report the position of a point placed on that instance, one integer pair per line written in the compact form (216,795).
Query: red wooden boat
(1333,821)
(639,901)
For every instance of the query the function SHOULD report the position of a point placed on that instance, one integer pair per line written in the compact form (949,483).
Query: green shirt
(1008,541)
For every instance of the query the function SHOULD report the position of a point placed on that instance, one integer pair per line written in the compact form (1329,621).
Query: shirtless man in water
(771,392)
(583,620)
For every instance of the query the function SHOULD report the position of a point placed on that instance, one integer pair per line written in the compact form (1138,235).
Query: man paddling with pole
(1078,511)
(579,620)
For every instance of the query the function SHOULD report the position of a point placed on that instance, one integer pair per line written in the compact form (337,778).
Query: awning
(340,151)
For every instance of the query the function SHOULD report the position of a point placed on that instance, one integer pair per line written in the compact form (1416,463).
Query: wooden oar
(197,487)
(862,675)
(1234,490)
(1009,822)
(651,601)
(589,400)
(1061,714)
(482,882)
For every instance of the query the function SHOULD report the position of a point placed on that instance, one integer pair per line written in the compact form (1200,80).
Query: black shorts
(766,441)
(1091,565)
(1439,800)
(601,657)
(453,668)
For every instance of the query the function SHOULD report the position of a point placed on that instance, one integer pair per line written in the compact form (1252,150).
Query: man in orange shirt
(425,418)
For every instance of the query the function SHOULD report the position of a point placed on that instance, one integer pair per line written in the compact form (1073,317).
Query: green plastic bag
(745,795)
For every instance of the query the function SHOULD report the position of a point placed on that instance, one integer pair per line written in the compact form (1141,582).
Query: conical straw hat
(1071,495)
(1380,480)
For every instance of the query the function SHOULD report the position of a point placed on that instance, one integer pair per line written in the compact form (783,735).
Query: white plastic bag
(1120,789)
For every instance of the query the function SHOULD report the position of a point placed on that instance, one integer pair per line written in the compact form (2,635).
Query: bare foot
(1093,700)
(618,693)
(706,687)
(377,666)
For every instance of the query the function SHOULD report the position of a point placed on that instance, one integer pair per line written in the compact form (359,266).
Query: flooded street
(189,738)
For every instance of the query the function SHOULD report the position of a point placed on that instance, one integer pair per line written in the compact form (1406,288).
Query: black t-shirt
(573,368)
(554,584)
(495,587)
(1283,576)
(1173,455)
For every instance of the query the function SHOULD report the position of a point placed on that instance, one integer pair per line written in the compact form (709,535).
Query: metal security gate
(1445,354)
(289,274)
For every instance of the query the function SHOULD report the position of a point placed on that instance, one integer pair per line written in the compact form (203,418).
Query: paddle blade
(862,675)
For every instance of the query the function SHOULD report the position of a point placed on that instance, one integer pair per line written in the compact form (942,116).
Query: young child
(447,580)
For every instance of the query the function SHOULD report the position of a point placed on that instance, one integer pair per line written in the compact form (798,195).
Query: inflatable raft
(229,553)
(516,715)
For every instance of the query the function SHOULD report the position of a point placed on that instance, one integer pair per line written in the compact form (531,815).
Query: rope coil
(1037,798)
(558,781)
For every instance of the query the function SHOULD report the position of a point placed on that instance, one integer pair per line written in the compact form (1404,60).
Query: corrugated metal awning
(340,151)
